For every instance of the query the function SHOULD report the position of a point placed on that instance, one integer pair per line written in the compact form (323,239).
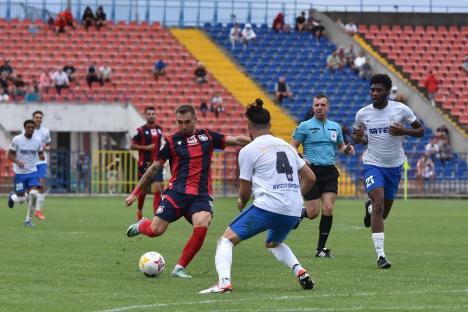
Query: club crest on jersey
(192,140)
(160,209)
(203,137)
(154,132)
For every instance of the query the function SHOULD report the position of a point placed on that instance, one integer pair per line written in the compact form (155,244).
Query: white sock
(178,266)
(18,199)
(31,205)
(223,260)
(378,239)
(284,254)
(40,201)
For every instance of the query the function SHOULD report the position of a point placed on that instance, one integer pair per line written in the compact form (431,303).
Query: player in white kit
(270,169)
(384,122)
(25,151)
(43,134)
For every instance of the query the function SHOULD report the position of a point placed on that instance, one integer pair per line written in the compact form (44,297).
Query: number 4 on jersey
(283,166)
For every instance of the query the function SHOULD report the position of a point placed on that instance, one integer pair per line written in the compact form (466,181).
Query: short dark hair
(147,108)
(382,79)
(257,115)
(322,96)
(28,121)
(185,108)
(38,112)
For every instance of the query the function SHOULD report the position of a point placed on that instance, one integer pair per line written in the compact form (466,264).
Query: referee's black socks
(324,230)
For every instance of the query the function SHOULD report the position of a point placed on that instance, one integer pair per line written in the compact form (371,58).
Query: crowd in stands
(215,108)
(357,62)
(65,19)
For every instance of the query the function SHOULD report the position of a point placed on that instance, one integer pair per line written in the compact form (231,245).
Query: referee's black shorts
(326,181)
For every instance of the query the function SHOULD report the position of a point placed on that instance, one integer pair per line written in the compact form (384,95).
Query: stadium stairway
(244,89)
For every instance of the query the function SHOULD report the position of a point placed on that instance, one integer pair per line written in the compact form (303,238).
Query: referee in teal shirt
(320,139)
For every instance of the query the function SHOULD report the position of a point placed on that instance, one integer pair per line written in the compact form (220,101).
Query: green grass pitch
(79,259)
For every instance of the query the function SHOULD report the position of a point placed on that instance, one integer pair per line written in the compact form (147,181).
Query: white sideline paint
(311,296)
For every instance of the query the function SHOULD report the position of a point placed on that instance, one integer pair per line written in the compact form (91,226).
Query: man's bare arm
(144,181)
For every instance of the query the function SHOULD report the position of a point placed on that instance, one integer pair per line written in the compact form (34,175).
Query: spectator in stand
(159,69)
(235,35)
(365,72)
(60,80)
(350,55)
(432,149)
(315,26)
(92,76)
(218,109)
(4,94)
(204,108)
(445,151)
(465,64)
(334,62)
(282,90)
(432,85)
(395,95)
(63,20)
(32,95)
(70,70)
(88,18)
(358,62)
(425,170)
(216,100)
(342,55)
(105,73)
(19,87)
(100,19)
(248,35)
(200,74)
(443,131)
(301,22)
(45,82)
(351,28)
(278,22)
(339,22)
(6,71)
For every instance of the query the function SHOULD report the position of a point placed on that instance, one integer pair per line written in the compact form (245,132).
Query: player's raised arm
(144,181)
(240,140)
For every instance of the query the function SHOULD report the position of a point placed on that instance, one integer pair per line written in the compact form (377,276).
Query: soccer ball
(152,264)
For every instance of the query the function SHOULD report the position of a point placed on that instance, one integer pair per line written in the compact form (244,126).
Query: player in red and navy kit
(147,142)
(188,193)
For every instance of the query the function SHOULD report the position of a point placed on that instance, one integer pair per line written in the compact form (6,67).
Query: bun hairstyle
(257,115)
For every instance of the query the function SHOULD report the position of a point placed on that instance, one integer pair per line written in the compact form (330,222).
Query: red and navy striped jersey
(147,135)
(190,160)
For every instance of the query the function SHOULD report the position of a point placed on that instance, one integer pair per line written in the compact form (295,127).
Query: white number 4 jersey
(272,165)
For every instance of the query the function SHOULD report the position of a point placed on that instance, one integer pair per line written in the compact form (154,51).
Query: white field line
(360,308)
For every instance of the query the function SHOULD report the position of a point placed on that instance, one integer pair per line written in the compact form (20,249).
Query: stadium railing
(114,172)
(196,13)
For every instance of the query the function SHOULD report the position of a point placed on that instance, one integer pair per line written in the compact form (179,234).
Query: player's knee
(33,193)
(158,229)
(327,210)
(312,213)
(377,206)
